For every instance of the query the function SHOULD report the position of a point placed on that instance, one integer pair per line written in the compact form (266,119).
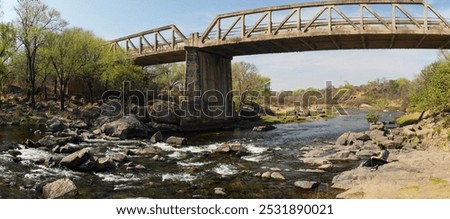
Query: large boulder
(76,159)
(51,141)
(62,188)
(104,164)
(67,149)
(126,127)
(55,125)
(165,112)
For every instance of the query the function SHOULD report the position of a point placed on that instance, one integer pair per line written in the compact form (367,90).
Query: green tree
(247,81)
(431,89)
(34,21)
(7,49)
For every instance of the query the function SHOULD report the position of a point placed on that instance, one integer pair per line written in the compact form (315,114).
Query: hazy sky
(115,18)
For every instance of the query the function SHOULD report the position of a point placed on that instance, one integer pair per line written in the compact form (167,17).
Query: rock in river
(55,125)
(157,137)
(63,188)
(306,184)
(76,159)
(176,141)
(126,127)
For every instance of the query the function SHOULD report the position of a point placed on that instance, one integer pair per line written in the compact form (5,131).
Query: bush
(372,117)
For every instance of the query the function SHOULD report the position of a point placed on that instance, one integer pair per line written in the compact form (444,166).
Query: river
(191,171)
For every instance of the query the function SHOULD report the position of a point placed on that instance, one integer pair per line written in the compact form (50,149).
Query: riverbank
(417,168)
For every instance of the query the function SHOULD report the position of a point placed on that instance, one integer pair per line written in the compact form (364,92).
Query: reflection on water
(191,171)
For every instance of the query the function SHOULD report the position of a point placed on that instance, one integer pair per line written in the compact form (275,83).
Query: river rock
(31,144)
(165,112)
(266,175)
(223,148)
(62,188)
(145,151)
(264,128)
(67,149)
(76,159)
(157,137)
(220,191)
(126,127)
(378,136)
(306,184)
(14,153)
(51,141)
(342,140)
(277,176)
(376,126)
(55,125)
(176,141)
(163,127)
(119,158)
(104,164)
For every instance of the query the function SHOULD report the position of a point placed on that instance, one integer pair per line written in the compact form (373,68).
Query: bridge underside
(333,42)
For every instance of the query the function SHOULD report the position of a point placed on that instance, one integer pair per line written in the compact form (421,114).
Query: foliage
(372,117)
(248,83)
(431,89)
(7,49)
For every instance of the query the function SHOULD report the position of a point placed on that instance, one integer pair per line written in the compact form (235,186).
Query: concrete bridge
(328,25)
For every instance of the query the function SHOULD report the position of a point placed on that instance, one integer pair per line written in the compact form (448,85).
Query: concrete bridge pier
(208,94)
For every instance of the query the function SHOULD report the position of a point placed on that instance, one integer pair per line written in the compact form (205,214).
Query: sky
(112,19)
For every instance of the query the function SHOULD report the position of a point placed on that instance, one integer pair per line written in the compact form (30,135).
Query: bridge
(327,25)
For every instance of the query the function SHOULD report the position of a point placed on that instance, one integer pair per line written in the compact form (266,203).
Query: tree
(431,89)
(64,53)
(7,49)
(247,81)
(34,22)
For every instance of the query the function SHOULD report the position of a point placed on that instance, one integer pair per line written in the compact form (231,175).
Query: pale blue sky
(115,18)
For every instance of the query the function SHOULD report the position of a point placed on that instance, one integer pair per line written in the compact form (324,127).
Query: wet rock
(277,176)
(55,125)
(342,140)
(376,126)
(264,128)
(157,137)
(49,162)
(126,127)
(163,127)
(165,112)
(145,151)
(88,166)
(76,159)
(67,149)
(158,158)
(119,158)
(266,175)
(220,191)
(79,125)
(176,141)
(223,148)
(37,132)
(31,144)
(306,184)
(104,164)
(140,167)
(14,153)
(51,141)
(16,159)
(62,188)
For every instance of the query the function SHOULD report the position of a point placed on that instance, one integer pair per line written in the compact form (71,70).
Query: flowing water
(191,171)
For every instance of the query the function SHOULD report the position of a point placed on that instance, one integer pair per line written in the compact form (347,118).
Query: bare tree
(35,19)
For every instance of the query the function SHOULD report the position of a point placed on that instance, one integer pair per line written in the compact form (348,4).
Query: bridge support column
(208,91)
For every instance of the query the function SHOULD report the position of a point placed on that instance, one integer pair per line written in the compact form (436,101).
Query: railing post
(299,19)
(219,31)
(141,49)
(425,16)
(243,27)
(329,18)
(394,16)
(173,38)
(269,26)
(361,16)
(156,41)
(127,47)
